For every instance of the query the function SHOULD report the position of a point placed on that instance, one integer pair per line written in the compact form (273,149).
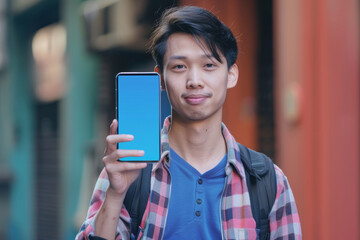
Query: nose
(194,79)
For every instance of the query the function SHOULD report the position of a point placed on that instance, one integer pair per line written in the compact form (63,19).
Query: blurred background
(297,100)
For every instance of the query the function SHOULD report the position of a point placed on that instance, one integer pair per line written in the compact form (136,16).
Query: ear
(157,69)
(233,76)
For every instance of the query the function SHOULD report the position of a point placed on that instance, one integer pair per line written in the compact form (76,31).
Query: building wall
(317,85)
(21,148)
(78,111)
(18,114)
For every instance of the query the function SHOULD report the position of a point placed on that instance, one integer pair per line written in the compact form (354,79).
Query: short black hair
(202,25)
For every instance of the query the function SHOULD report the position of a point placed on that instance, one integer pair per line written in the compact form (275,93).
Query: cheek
(173,87)
(218,84)
(170,92)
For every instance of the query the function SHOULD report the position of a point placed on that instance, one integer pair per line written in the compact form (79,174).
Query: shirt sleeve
(98,196)
(284,217)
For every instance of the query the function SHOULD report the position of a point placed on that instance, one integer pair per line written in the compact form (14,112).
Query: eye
(178,67)
(209,66)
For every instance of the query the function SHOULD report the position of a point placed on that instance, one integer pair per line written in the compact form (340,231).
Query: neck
(200,143)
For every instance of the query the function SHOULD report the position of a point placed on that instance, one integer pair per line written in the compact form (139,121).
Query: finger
(130,166)
(121,153)
(124,167)
(113,140)
(113,127)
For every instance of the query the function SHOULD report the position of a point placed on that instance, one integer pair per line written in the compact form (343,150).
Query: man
(198,189)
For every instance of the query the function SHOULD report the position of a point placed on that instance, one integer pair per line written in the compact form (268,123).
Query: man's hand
(121,175)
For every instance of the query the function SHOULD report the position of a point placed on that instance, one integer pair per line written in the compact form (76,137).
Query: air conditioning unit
(116,24)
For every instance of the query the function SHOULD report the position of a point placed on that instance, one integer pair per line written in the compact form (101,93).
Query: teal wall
(78,110)
(21,149)
(6,144)
(17,114)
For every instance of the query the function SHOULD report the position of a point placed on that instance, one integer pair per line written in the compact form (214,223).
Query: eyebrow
(175,57)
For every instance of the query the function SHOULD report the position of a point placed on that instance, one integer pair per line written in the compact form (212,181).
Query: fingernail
(130,137)
(112,123)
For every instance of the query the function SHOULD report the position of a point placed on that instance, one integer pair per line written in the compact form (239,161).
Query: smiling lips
(195,99)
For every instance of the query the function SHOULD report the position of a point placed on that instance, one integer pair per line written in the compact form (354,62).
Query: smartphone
(138,113)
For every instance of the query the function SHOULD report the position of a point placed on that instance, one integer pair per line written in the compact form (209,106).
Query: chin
(193,116)
(196,116)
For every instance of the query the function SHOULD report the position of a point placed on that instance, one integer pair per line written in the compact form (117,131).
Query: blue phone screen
(138,113)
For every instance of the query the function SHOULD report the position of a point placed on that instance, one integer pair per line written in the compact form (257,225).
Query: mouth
(196,99)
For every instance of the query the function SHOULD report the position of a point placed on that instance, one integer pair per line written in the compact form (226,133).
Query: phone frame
(117,109)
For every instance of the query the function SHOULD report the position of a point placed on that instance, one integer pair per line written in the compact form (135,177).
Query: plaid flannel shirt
(236,216)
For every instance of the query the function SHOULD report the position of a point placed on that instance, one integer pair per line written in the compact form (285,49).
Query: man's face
(195,81)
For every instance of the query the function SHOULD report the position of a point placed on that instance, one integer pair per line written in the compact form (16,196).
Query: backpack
(260,178)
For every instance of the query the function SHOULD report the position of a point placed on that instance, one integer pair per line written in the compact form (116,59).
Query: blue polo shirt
(194,210)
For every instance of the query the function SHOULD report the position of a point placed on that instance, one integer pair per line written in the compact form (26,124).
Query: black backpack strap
(261,182)
(137,197)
